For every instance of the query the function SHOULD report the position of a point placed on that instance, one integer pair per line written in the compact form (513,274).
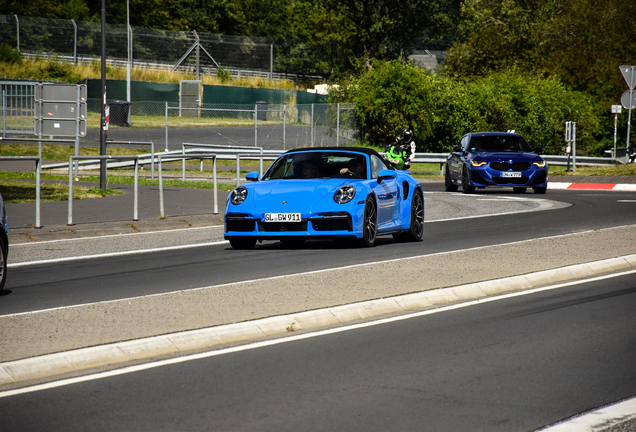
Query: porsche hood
(293,195)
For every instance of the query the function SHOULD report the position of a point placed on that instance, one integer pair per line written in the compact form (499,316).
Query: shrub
(9,55)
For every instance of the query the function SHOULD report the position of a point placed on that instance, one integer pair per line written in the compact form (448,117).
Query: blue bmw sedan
(496,159)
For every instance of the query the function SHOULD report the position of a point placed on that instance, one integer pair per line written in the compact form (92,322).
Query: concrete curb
(81,360)
(593,186)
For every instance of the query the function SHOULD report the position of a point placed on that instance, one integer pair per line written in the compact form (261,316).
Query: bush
(392,96)
(9,55)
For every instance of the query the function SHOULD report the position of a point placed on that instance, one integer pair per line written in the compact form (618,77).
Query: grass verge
(16,191)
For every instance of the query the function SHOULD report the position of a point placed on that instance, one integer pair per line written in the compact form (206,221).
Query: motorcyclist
(400,153)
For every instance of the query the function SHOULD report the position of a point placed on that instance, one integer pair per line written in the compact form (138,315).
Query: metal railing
(152,152)
(173,157)
(38,162)
(70,182)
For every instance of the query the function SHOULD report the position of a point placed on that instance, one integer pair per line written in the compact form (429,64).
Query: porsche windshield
(499,144)
(312,165)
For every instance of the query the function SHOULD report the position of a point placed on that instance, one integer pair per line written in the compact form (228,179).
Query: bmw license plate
(510,174)
(281,217)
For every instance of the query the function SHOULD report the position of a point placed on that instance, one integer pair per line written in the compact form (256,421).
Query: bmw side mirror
(386,174)
(252,176)
(457,149)
(538,149)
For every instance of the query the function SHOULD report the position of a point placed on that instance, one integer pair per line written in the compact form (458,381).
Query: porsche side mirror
(538,149)
(386,174)
(252,176)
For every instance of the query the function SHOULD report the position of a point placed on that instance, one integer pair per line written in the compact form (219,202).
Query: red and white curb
(593,186)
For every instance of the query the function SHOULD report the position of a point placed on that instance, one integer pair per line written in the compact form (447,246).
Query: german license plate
(281,217)
(510,174)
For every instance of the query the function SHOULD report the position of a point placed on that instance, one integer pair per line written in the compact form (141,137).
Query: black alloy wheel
(3,263)
(242,242)
(448,182)
(416,229)
(466,187)
(369,223)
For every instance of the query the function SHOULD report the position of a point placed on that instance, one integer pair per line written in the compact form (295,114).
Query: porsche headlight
(344,194)
(539,163)
(238,195)
(477,163)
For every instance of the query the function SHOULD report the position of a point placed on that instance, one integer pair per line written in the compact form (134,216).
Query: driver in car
(354,169)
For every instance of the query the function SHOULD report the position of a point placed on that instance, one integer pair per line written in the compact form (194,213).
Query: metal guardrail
(232,152)
(152,152)
(441,158)
(189,156)
(70,182)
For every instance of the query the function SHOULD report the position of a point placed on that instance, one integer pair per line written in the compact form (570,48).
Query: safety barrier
(70,182)
(172,157)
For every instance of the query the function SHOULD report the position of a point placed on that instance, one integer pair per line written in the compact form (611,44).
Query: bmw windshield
(499,144)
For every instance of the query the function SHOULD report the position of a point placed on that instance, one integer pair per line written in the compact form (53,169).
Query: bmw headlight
(477,163)
(540,163)
(344,194)
(238,195)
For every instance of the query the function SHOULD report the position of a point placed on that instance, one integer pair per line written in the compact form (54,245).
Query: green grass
(15,191)
(615,170)
(59,192)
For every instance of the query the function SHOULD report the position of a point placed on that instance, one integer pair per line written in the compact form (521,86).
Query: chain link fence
(75,40)
(271,126)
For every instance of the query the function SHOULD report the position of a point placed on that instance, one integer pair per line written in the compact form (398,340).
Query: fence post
(166,126)
(238,169)
(284,124)
(255,125)
(338,126)
(216,203)
(37,193)
(4,113)
(161,213)
(18,30)
(74,42)
(136,192)
(183,163)
(69,221)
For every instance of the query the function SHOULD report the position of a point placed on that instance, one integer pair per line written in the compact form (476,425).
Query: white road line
(17,245)
(598,420)
(113,254)
(302,273)
(250,346)
(544,205)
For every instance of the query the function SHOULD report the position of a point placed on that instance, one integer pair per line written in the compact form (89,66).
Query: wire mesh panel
(279,127)
(18,108)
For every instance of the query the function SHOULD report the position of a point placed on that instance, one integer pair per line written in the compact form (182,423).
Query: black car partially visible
(4,244)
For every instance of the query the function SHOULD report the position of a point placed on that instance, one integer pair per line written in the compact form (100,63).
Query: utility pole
(102,129)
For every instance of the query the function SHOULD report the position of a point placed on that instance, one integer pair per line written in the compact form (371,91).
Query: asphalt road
(453,223)
(515,364)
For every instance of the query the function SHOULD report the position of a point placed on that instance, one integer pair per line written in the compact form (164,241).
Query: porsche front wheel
(242,242)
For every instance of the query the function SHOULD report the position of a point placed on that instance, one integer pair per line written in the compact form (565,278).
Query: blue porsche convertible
(329,192)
